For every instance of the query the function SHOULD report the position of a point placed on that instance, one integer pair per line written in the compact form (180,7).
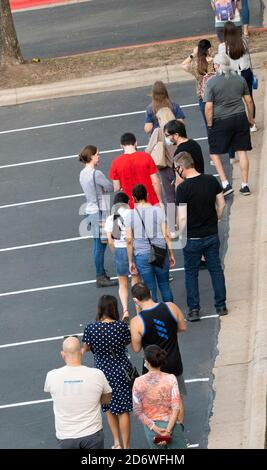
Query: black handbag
(157,254)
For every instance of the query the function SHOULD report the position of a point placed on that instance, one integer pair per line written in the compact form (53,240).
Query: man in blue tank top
(158,323)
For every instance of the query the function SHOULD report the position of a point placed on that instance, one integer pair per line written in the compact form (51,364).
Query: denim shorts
(121,261)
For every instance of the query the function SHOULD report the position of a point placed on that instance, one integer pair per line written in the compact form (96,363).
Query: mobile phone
(158,439)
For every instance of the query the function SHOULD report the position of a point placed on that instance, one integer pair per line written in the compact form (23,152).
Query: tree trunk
(9,46)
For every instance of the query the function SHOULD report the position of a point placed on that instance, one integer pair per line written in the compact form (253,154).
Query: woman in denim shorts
(116,232)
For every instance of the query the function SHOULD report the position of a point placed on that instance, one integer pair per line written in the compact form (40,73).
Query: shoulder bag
(157,254)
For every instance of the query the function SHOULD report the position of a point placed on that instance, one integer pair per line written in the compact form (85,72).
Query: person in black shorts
(228,124)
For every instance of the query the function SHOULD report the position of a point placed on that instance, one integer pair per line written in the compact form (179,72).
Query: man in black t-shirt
(202,197)
(175,134)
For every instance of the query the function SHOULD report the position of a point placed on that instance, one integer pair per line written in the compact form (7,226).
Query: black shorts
(229,133)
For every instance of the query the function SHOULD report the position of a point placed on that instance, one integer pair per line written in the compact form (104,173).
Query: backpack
(225,12)
(116,229)
(204,82)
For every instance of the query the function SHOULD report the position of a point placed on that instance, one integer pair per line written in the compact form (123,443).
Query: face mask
(146,365)
(169,141)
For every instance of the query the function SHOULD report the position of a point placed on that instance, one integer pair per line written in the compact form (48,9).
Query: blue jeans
(99,248)
(152,275)
(202,110)
(193,251)
(245,12)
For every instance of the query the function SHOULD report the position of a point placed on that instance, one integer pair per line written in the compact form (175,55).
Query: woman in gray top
(147,224)
(95,184)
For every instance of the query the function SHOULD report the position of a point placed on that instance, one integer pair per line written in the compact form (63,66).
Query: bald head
(71,345)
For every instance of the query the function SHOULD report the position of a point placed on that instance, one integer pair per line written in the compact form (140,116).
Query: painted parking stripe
(53,242)
(68,157)
(37,402)
(38,201)
(60,286)
(79,121)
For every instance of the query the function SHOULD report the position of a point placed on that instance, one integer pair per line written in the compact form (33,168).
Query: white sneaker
(253,128)
(212,163)
(233,160)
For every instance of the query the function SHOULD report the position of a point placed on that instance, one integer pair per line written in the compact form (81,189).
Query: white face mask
(146,365)
(169,141)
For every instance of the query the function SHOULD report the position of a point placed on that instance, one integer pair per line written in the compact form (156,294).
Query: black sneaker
(104,281)
(228,190)
(245,191)
(222,311)
(193,315)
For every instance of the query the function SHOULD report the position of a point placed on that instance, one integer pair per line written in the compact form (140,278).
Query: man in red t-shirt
(133,168)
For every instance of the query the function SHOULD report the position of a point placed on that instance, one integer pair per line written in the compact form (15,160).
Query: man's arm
(116,185)
(209,113)
(157,187)
(250,107)
(136,335)
(182,218)
(166,235)
(220,204)
(177,313)
(105,398)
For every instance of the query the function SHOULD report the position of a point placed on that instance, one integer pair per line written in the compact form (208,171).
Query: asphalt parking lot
(47,282)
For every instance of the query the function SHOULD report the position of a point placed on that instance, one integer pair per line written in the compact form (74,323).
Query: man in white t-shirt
(78,392)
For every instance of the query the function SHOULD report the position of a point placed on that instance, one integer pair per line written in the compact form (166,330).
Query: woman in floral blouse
(157,402)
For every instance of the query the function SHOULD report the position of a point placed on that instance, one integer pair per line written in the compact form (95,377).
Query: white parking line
(60,286)
(56,338)
(78,121)
(37,201)
(37,402)
(68,157)
(53,242)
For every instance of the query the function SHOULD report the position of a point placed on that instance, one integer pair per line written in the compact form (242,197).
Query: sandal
(116,447)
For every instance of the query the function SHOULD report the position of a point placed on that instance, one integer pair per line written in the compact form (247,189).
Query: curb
(101,83)
(238,418)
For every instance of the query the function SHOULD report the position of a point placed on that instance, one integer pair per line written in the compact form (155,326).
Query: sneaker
(245,191)
(104,281)
(232,161)
(222,311)
(253,128)
(212,163)
(193,315)
(228,190)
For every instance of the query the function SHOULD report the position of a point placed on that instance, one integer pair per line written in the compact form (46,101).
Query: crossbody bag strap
(143,225)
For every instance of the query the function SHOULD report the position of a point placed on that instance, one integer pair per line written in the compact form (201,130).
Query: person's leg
(178,439)
(192,257)
(167,177)
(202,110)
(244,165)
(162,276)
(248,76)
(212,255)
(99,253)
(123,292)
(113,422)
(219,168)
(245,16)
(125,429)
(147,274)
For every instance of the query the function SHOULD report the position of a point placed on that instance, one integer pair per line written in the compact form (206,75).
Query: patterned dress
(108,344)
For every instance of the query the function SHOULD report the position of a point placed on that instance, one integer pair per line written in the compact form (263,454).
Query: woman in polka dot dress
(107,338)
